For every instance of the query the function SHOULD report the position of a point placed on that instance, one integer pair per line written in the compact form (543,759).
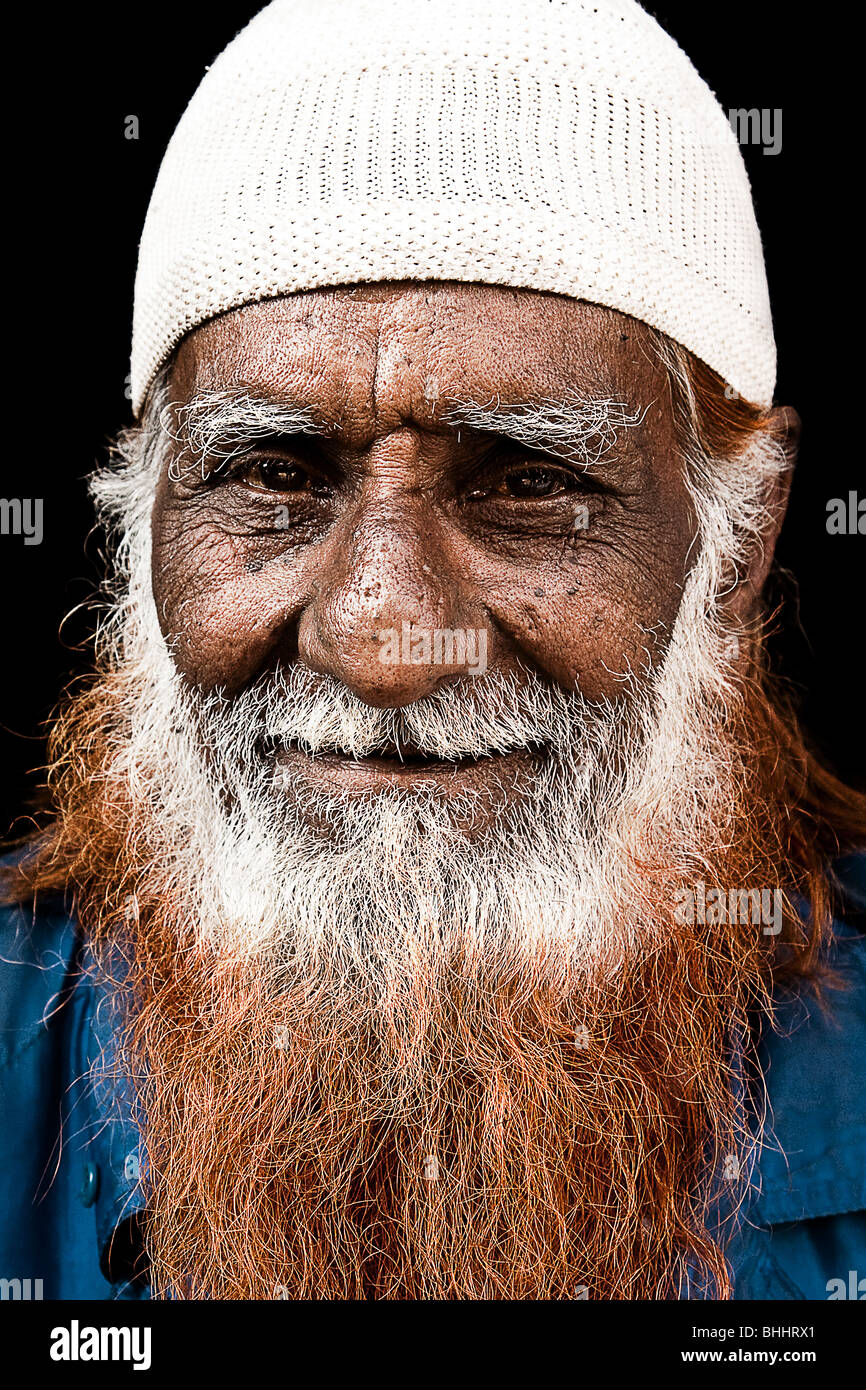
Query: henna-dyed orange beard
(516,1144)
(516,1134)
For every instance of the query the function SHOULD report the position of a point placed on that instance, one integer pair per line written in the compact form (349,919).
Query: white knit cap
(546,144)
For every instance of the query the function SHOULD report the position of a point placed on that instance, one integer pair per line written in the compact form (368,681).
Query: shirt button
(89,1184)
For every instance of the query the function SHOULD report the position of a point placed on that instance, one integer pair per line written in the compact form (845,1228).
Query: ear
(784,425)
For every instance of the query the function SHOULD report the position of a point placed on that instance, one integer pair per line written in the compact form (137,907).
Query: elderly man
(440,901)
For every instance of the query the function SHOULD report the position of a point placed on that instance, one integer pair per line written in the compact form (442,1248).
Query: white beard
(552,883)
(551,879)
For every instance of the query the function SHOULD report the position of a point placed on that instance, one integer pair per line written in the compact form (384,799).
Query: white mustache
(476,718)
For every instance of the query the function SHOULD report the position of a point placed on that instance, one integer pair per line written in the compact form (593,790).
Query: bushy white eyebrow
(217,426)
(583,429)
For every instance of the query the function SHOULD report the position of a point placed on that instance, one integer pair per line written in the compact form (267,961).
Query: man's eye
(278,475)
(534,480)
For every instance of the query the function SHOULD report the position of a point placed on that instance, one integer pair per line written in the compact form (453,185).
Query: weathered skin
(396,529)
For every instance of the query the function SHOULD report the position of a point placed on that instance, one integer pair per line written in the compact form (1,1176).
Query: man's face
(570,559)
(438,959)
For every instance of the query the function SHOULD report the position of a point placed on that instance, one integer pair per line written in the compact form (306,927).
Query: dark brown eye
(278,475)
(533,482)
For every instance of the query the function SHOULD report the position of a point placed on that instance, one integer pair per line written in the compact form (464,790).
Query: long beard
(378,1056)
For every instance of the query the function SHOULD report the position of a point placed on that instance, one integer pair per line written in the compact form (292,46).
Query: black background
(77,192)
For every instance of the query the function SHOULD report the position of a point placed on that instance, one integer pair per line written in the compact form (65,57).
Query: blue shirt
(71,1208)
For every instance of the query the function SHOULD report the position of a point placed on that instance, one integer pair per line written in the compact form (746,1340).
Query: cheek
(596,640)
(605,611)
(224,608)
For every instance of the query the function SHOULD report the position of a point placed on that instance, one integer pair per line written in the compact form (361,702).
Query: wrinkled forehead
(367,357)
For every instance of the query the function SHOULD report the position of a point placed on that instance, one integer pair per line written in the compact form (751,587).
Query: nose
(393,616)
